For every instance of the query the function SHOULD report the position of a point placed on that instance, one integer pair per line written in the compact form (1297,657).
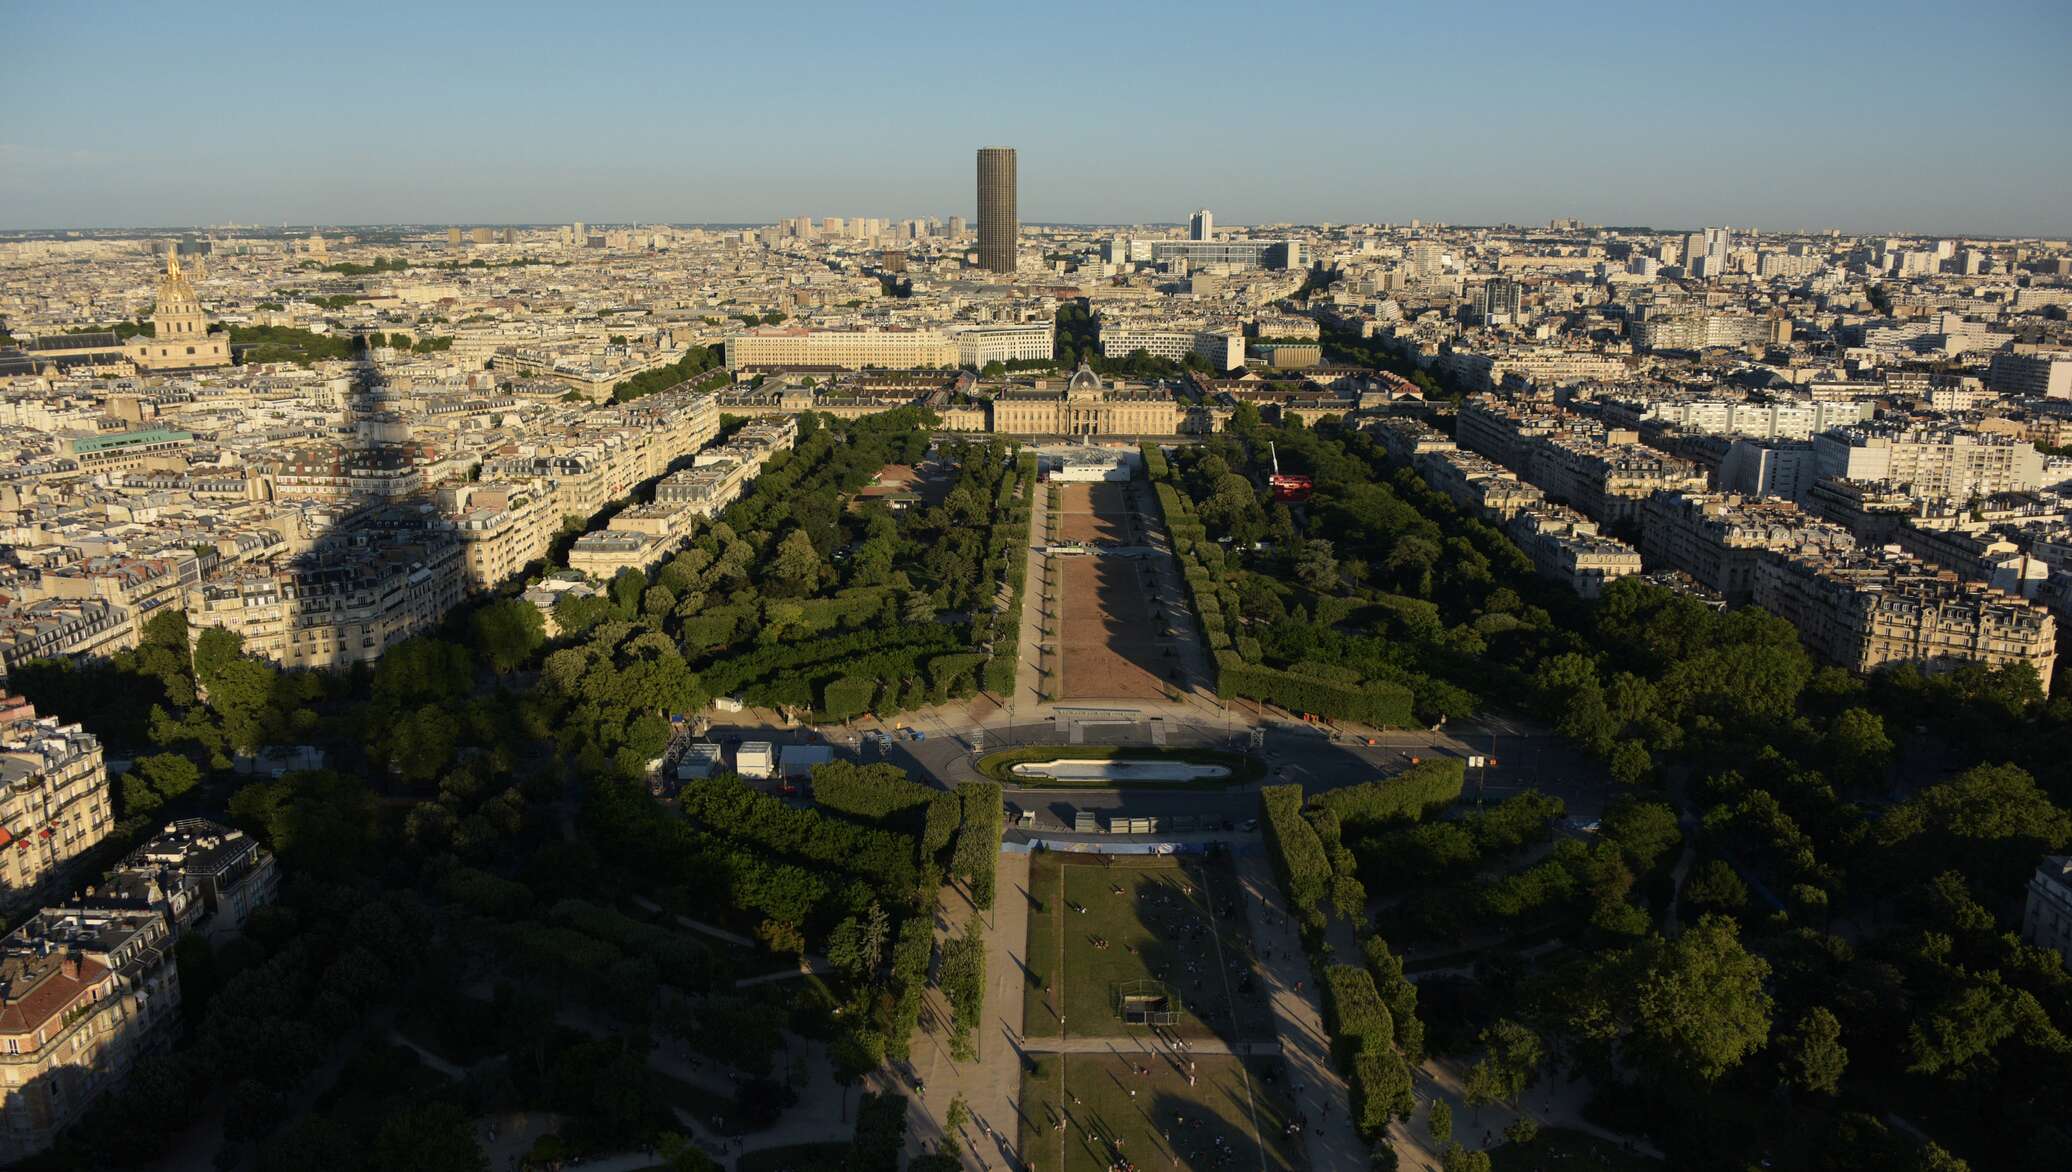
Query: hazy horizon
(1773,116)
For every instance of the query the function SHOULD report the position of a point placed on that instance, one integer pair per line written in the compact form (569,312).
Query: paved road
(1298,1019)
(1291,751)
(991,1086)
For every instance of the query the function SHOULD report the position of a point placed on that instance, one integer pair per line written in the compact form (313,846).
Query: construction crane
(1286,487)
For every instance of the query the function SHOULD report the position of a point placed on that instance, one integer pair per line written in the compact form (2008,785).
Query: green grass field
(1231,1117)
(1180,923)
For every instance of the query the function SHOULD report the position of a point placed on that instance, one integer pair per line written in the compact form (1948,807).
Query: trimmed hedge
(1354,1012)
(1011,538)
(726,806)
(1380,1088)
(1298,853)
(910,957)
(1155,465)
(874,793)
(978,842)
(1377,703)
(845,698)
(963,980)
(1398,992)
(945,816)
(1409,794)
(1363,1037)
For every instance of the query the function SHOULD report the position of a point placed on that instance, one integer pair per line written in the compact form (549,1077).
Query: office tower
(1709,253)
(999,223)
(453,237)
(956,227)
(1201,226)
(1502,298)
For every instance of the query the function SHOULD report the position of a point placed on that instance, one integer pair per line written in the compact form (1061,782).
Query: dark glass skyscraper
(999,222)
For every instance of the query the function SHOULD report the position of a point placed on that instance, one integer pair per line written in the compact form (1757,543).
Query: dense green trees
(288,344)
(506,633)
(1813,1055)
(1804,794)
(1512,1055)
(1306,622)
(696,361)
(155,780)
(727,807)
(1702,1007)
(793,599)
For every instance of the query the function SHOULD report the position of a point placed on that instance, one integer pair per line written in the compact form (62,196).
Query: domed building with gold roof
(1086,406)
(180,340)
(180,327)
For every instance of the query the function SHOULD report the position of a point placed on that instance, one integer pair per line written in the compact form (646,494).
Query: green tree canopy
(1702,1004)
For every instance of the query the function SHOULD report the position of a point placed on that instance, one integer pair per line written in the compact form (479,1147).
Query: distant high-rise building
(453,237)
(1711,262)
(1427,259)
(956,227)
(1502,299)
(999,220)
(1201,226)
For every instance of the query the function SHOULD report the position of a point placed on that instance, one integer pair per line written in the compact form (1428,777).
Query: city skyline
(1488,632)
(474,120)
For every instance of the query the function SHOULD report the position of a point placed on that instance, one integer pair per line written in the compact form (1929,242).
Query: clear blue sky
(1939,117)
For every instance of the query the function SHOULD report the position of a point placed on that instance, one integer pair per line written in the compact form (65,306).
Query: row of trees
(696,361)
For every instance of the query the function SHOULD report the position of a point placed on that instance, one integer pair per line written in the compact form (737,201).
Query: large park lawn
(1230,1118)
(1162,920)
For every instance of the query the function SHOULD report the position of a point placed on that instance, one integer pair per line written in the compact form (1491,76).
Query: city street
(1290,751)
